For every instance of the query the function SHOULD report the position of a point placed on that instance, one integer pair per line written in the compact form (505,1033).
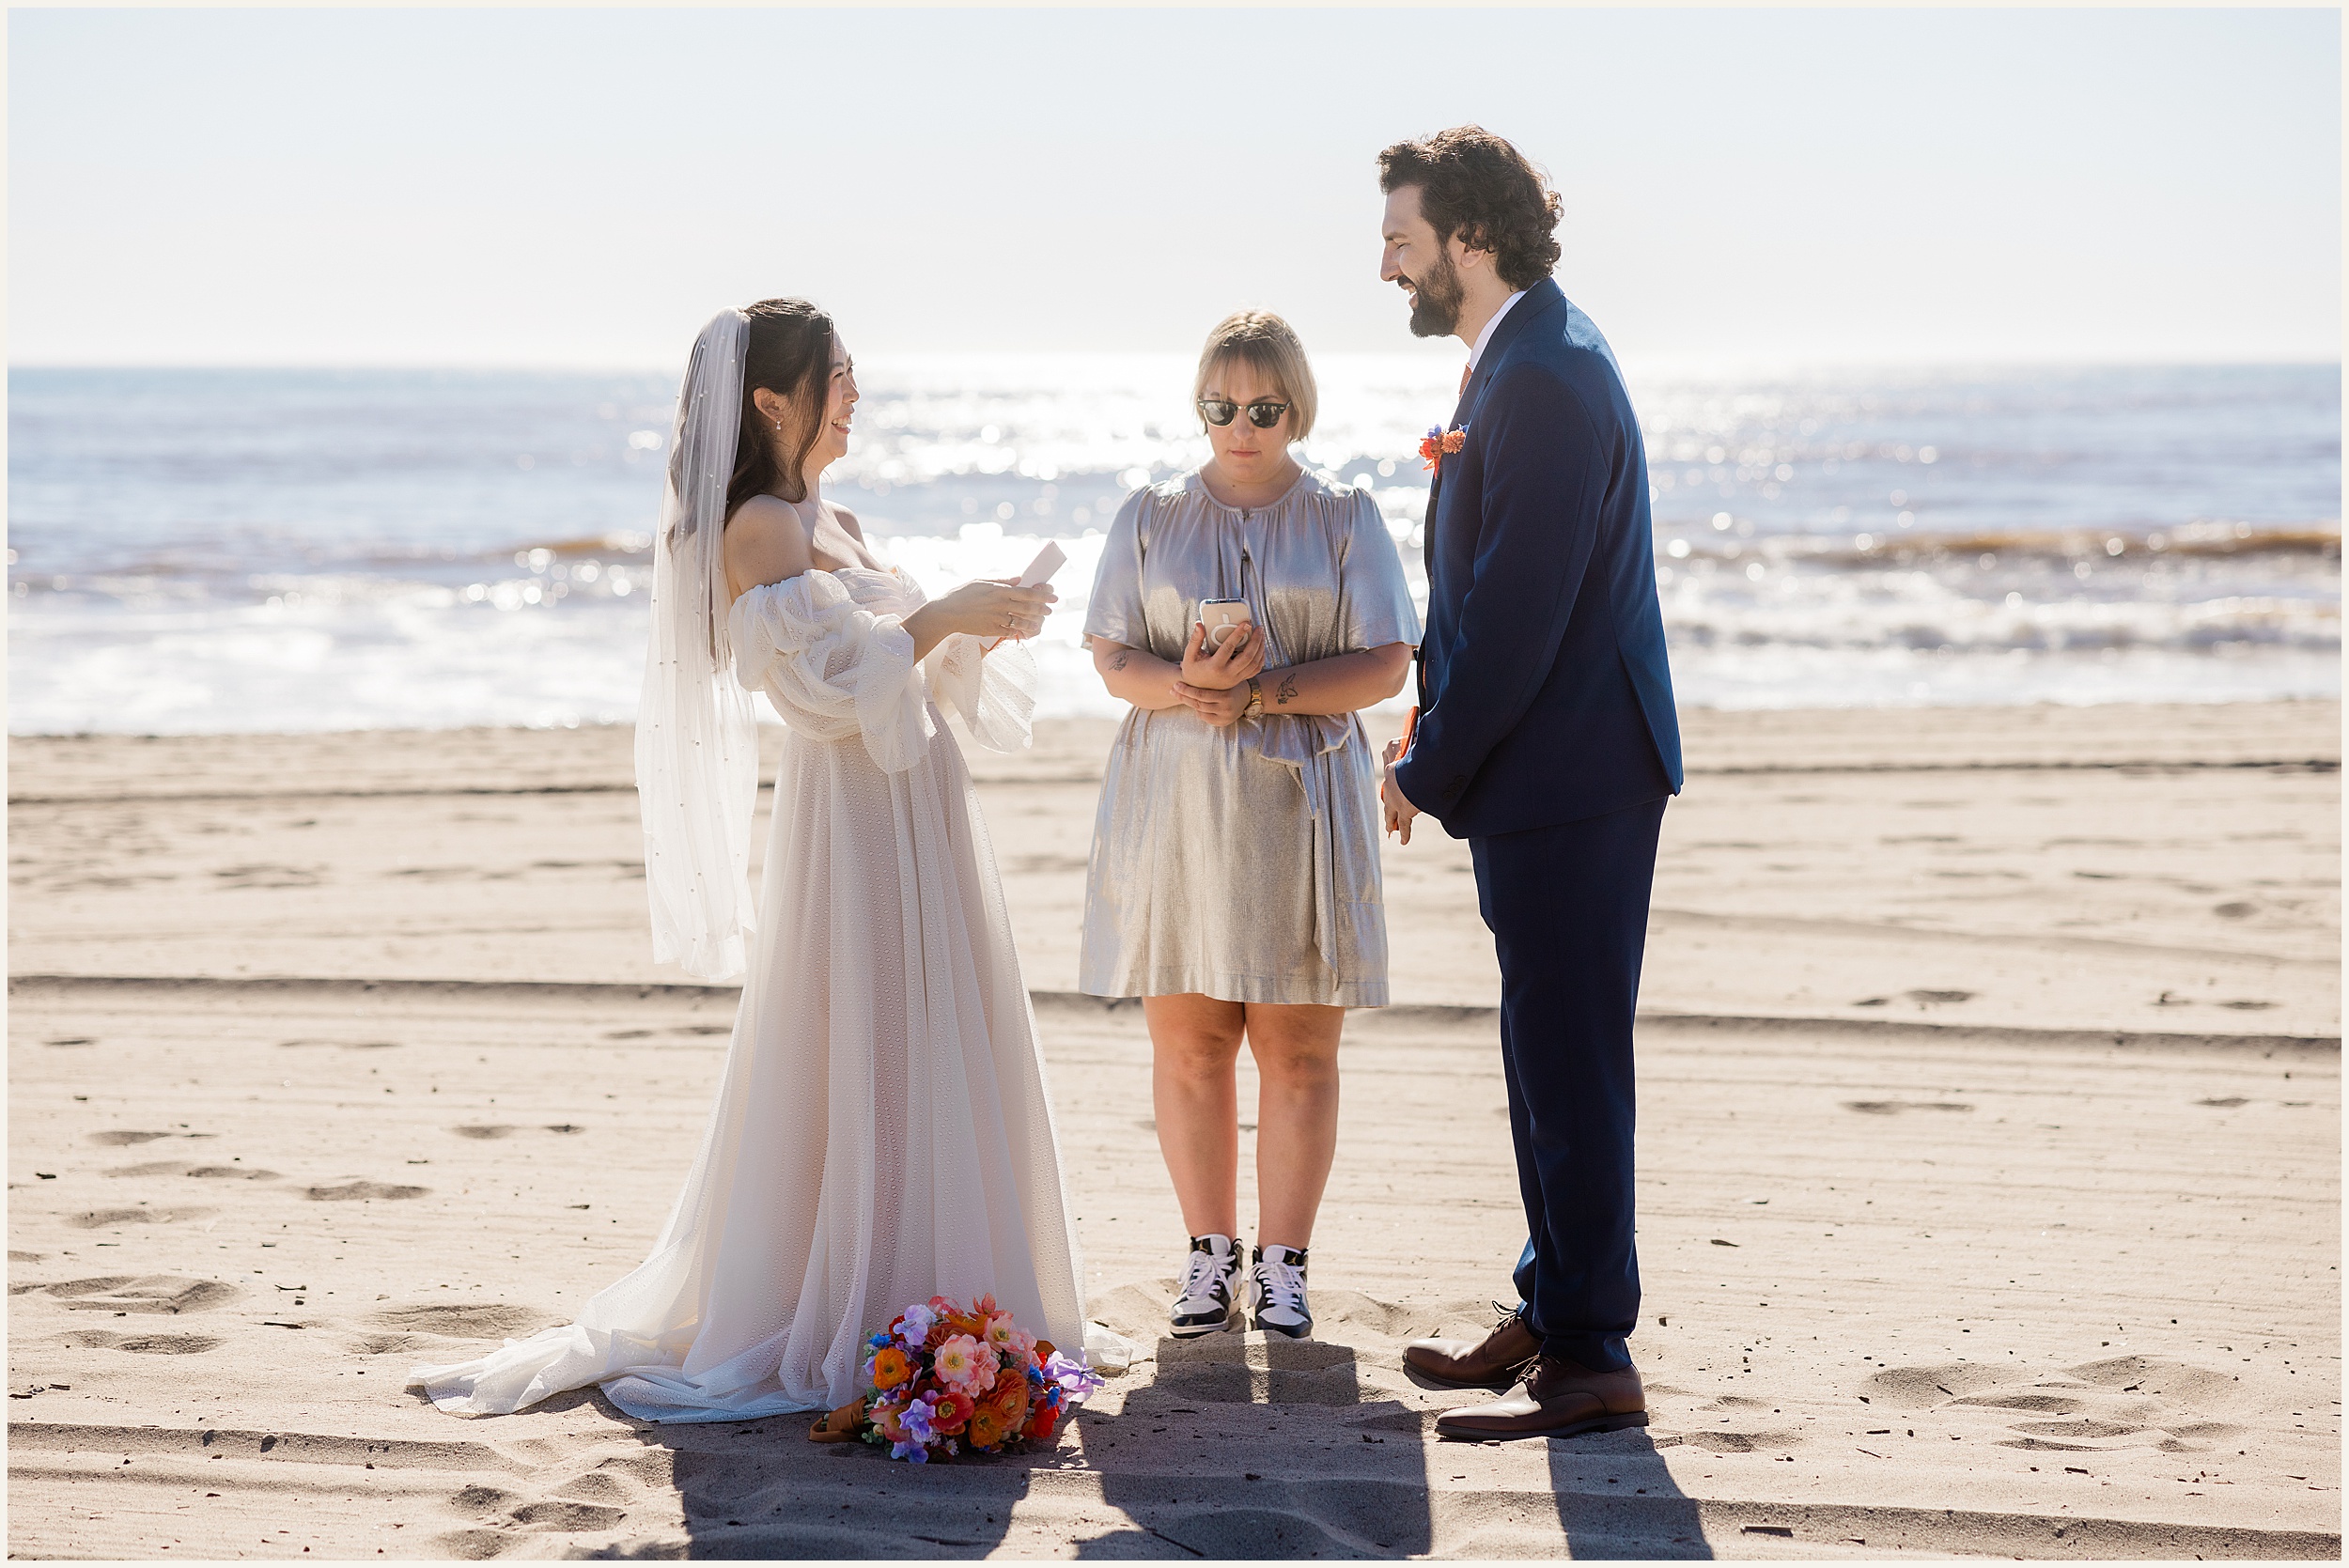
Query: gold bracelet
(1255,698)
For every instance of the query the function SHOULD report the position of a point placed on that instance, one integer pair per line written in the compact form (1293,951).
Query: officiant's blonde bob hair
(1268,345)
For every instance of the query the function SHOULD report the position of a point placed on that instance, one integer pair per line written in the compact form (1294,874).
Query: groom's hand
(1398,806)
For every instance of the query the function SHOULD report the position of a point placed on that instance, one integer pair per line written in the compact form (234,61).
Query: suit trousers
(1567,907)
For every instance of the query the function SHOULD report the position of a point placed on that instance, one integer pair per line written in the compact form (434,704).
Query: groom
(1545,738)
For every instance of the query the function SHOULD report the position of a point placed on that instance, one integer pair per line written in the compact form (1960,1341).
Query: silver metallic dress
(1242,861)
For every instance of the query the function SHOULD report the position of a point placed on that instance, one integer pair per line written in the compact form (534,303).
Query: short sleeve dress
(1242,863)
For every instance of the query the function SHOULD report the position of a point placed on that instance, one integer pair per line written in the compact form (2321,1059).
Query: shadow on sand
(1239,1446)
(1617,1499)
(1298,1463)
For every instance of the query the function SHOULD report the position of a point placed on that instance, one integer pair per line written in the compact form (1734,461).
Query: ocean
(214,550)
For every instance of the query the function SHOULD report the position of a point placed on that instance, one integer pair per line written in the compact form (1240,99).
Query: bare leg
(1194,1053)
(1296,1115)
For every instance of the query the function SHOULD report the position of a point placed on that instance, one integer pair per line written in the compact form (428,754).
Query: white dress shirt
(1487,335)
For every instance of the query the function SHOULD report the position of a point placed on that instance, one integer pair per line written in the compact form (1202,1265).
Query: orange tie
(1465,371)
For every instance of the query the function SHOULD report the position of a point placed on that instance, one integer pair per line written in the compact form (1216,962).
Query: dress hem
(1247,989)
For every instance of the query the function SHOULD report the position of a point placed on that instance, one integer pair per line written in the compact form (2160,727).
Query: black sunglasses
(1264,413)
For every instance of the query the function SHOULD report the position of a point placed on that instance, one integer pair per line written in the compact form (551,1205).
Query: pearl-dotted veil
(696,738)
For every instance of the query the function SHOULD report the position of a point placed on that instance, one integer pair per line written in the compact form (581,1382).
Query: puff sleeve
(834,668)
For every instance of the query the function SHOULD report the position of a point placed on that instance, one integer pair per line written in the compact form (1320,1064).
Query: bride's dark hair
(787,351)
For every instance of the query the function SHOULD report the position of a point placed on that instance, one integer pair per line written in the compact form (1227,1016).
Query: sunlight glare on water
(321,549)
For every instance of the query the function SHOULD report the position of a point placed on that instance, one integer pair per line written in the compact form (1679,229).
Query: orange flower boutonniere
(1438,442)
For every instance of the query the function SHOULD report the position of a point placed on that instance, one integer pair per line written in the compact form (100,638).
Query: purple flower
(913,1451)
(916,1421)
(1075,1378)
(916,1327)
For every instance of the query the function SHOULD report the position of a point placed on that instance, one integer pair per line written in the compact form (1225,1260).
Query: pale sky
(550,187)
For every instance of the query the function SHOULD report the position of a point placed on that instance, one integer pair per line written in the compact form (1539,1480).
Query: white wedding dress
(881,1133)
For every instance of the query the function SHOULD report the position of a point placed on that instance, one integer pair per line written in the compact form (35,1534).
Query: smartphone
(1223,617)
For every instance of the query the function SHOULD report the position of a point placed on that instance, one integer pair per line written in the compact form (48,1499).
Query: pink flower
(963,1363)
(1009,1342)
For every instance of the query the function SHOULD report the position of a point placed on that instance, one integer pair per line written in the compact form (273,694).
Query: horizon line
(1675,362)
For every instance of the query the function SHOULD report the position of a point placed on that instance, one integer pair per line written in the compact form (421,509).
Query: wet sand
(1989,1161)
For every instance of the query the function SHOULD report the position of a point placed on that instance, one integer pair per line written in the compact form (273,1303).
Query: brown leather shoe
(1559,1399)
(1491,1362)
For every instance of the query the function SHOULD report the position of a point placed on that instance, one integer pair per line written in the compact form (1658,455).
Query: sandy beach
(1989,1167)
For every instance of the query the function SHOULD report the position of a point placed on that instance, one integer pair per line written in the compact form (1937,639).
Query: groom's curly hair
(1474,184)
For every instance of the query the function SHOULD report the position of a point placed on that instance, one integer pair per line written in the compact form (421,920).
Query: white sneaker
(1276,1285)
(1211,1286)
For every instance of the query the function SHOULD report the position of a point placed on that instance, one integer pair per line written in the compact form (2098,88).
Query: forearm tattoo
(1287,690)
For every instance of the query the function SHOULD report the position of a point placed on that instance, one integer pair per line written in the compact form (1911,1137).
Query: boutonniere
(1439,442)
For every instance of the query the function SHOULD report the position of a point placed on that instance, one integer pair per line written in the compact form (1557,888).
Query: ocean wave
(290,549)
(2192,540)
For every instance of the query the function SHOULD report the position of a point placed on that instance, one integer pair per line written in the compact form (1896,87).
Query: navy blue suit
(1546,738)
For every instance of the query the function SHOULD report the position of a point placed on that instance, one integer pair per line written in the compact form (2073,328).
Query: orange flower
(1438,442)
(1042,1422)
(987,1427)
(884,1416)
(889,1367)
(1010,1399)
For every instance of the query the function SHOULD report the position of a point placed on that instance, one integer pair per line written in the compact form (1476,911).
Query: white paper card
(1048,561)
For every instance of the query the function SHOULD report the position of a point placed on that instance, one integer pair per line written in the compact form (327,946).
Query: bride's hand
(997,606)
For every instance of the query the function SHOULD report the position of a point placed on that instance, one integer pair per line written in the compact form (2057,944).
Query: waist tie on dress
(1298,741)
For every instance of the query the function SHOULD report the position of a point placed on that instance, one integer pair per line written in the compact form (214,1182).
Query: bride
(881,1132)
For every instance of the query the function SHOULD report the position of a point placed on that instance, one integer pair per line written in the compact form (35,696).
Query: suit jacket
(1544,692)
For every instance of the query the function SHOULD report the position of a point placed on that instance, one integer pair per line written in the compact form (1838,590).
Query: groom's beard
(1436,300)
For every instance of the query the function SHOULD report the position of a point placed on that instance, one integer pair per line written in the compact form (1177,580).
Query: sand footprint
(599,1486)
(94,1220)
(499,1512)
(140,1345)
(472,1546)
(1761,1439)
(560,1515)
(469,1320)
(2138,1401)
(127,1292)
(2044,1404)
(357,1192)
(494,1130)
(175,1167)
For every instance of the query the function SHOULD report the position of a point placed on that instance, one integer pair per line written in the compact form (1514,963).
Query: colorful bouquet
(945,1378)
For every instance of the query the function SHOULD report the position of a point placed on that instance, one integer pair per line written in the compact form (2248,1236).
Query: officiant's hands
(1397,806)
(1214,684)
(1220,669)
